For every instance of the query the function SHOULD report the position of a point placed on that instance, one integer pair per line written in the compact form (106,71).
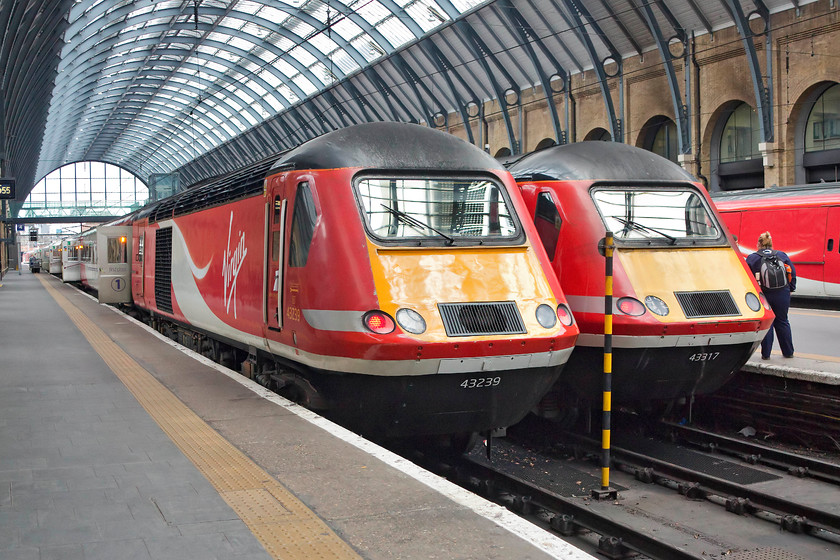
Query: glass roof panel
(322,43)
(346,28)
(169,62)
(396,32)
(372,11)
(303,56)
(368,47)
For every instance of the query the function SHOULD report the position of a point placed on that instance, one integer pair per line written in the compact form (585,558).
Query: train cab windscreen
(408,210)
(657,216)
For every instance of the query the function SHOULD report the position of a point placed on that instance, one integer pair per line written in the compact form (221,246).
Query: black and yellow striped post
(606,492)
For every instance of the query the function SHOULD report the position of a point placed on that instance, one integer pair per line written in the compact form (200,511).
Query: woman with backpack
(777,277)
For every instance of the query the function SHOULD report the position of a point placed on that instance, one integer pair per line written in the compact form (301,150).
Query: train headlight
(378,322)
(411,321)
(764,301)
(753,301)
(546,316)
(657,306)
(565,315)
(630,306)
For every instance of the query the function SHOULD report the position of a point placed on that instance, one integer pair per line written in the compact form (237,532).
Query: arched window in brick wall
(740,163)
(598,134)
(821,159)
(659,135)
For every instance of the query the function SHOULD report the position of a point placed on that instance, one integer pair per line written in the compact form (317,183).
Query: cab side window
(548,222)
(303,226)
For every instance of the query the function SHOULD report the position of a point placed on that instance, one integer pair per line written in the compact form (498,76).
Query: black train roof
(388,145)
(599,161)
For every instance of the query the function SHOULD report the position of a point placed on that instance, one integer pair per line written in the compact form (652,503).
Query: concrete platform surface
(87,472)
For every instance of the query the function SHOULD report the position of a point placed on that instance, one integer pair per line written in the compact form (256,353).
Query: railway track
(618,528)
(739,498)
(755,453)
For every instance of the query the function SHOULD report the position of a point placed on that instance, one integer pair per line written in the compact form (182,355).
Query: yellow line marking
(809,356)
(282,523)
(826,313)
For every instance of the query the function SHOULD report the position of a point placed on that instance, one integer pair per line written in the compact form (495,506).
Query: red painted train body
(686,313)
(804,222)
(379,273)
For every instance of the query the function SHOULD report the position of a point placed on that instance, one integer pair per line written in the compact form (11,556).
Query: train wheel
(462,444)
(263,377)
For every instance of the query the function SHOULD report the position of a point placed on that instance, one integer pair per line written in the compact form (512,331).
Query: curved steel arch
(317,25)
(107,50)
(577,12)
(680,107)
(235,110)
(481,53)
(140,64)
(446,68)
(763,94)
(75,79)
(178,94)
(526,37)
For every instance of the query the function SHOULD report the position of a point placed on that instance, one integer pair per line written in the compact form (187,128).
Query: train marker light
(122,239)
(631,306)
(378,322)
(752,301)
(411,321)
(764,301)
(565,315)
(657,306)
(546,316)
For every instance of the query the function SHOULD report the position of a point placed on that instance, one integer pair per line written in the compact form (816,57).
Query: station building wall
(804,62)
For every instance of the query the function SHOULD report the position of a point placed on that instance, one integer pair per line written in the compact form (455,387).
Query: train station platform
(817,355)
(117,443)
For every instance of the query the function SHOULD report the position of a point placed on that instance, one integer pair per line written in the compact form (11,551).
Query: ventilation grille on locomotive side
(163,269)
(717,303)
(471,319)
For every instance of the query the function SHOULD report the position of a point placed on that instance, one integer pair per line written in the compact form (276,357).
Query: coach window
(117,250)
(740,163)
(821,159)
(303,226)
(548,222)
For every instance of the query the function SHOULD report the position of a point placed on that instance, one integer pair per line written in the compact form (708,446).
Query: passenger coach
(804,222)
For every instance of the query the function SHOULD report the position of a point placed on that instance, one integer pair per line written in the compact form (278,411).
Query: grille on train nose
(717,303)
(470,319)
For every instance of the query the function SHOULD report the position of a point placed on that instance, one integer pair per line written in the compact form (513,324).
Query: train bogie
(686,315)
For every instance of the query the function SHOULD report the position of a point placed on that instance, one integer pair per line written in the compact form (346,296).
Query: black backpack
(772,274)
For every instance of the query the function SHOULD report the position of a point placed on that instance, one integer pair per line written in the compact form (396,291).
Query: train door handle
(830,244)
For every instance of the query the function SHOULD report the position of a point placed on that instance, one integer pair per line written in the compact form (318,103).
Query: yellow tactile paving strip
(282,523)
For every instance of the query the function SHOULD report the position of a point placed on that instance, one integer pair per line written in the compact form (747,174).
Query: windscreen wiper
(416,224)
(645,229)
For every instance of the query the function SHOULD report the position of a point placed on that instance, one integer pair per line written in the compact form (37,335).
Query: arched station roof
(205,86)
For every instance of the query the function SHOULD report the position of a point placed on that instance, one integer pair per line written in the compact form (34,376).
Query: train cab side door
(831,274)
(275,245)
(548,221)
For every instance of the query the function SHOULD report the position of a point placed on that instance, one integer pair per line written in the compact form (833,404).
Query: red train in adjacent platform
(804,222)
(380,273)
(687,314)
